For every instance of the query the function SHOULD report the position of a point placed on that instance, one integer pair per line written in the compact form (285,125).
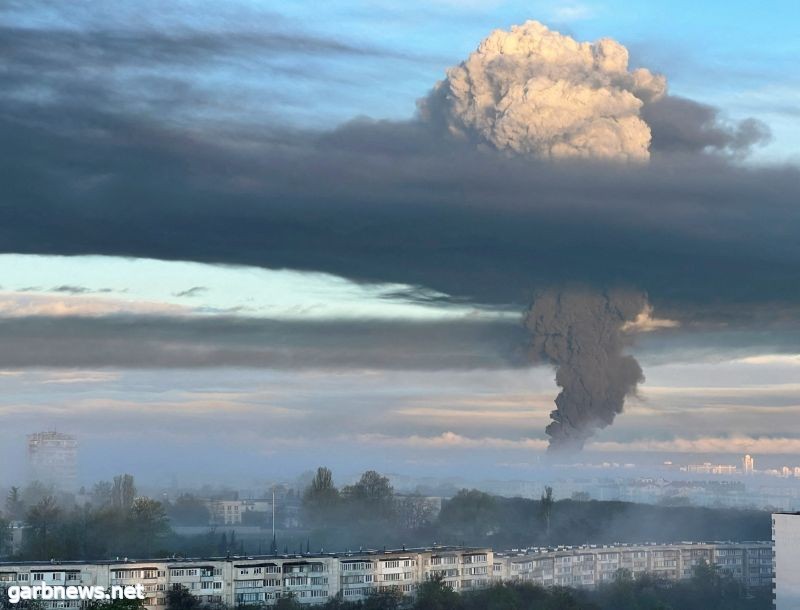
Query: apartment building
(234,512)
(234,581)
(314,578)
(53,459)
(786,540)
(590,566)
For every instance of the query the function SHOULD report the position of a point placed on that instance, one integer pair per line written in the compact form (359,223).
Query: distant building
(709,468)
(53,459)
(748,464)
(786,545)
(234,512)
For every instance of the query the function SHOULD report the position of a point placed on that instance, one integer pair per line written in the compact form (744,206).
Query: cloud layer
(90,167)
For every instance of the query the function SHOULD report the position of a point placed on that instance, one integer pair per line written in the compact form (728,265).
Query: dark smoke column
(581,333)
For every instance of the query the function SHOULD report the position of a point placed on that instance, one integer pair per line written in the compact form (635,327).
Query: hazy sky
(208,269)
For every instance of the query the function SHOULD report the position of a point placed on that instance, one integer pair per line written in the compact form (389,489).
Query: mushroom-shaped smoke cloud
(536,92)
(582,333)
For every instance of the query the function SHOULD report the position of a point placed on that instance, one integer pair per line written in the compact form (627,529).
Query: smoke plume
(581,333)
(536,92)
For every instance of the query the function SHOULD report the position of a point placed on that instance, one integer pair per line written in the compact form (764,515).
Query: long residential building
(314,578)
(590,566)
(234,581)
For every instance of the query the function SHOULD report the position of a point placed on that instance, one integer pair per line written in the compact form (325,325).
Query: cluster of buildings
(314,578)
(748,467)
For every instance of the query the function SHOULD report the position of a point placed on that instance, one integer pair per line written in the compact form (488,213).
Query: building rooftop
(233,558)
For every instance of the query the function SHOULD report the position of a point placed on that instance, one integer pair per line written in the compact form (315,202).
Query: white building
(53,459)
(786,541)
(233,512)
(589,566)
(314,578)
(233,581)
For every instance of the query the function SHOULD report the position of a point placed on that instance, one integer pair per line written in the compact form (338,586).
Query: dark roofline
(183,562)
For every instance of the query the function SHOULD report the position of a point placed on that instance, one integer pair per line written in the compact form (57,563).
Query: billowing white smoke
(534,91)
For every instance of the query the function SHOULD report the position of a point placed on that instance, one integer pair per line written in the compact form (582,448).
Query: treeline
(116,522)
(707,590)
(371,515)
(479,518)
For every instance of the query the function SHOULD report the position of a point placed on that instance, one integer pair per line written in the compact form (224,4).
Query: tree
(5,538)
(35,492)
(470,513)
(389,599)
(321,492)
(116,604)
(148,522)
(288,602)
(102,494)
(42,518)
(414,511)
(179,598)
(189,510)
(546,506)
(15,507)
(372,492)
(436,595)
(123,492)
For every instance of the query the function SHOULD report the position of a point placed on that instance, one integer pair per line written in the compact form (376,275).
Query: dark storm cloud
(174,342)
(387,202)
(682,125)
(396,202)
